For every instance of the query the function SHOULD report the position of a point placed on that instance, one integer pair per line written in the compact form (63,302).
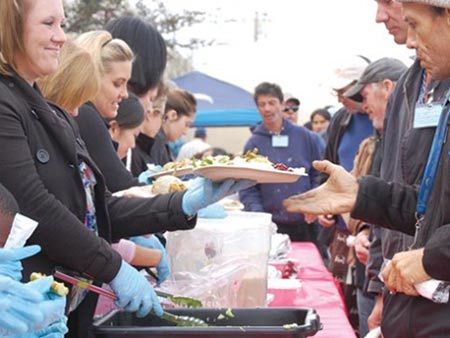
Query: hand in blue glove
(30,308)
(54,330)
(215,210)
(153,242)
(134,292)
(10,264)
(52,307)
(12,323)
(145,177)
(203,192)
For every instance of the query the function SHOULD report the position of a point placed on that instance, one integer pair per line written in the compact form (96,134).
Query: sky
(299,42)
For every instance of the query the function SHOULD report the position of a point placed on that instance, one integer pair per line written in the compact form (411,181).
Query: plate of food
(176,168)
(260,175)
(248,166)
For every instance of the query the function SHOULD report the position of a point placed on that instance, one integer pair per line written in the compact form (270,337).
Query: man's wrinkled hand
(336,196)
(404,271)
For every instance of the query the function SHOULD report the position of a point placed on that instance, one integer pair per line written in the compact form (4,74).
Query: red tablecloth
(318,291)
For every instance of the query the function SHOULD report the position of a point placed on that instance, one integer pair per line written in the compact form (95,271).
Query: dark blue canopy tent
(219,103)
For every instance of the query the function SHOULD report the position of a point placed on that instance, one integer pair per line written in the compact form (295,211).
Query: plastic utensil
(180,300)
(183,320)
(178,320)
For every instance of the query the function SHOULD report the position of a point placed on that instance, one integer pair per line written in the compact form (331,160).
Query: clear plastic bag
(222,262)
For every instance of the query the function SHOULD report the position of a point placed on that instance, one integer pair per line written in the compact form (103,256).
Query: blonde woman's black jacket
(94,132)
(40,150)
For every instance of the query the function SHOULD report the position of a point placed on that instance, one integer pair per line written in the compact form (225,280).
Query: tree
(86,15)
(169,24)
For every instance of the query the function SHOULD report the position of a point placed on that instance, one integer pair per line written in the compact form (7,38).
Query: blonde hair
(105,49)
(12,18)
(76,81)
(159,104)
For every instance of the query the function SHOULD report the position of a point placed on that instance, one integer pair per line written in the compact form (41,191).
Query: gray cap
(437,3)
(382,69)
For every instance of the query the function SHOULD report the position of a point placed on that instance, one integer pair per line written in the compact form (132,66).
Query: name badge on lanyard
(280,141)
(427,115)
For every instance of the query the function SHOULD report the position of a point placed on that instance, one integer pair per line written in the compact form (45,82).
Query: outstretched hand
(336,196)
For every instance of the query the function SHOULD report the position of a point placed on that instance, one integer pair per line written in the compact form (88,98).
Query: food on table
(166,184)
(58,288)
(290,270)
(229,313)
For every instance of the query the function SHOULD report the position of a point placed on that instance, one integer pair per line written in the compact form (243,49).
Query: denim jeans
(365,306)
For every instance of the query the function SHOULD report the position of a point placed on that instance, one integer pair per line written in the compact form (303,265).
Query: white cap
(347,71)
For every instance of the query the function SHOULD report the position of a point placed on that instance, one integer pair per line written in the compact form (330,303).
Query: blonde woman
(76,81)
(114,60)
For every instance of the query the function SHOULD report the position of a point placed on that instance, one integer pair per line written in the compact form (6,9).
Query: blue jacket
(304,147)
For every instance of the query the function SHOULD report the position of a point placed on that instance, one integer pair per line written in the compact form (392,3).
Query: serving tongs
(180,300)
(175,299)
(178,320)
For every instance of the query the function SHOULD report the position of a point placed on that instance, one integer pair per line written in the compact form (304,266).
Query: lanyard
(439,139)
(423,87)
(433,158)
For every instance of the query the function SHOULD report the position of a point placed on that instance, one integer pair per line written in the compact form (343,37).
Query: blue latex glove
(134,292)
(54,330)
(29,306)
(145,177)
(10,260)
(203,192)
(215,210)
(153,242)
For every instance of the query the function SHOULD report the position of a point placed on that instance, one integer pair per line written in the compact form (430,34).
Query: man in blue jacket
(282,142)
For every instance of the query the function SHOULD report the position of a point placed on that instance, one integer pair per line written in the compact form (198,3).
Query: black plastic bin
(248,323)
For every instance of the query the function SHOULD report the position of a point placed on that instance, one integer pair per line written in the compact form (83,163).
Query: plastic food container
(248,323)
(222,262)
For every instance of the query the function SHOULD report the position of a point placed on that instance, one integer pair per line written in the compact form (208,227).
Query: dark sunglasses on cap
(293,108)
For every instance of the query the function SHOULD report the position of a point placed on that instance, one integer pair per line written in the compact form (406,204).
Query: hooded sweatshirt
(303,147)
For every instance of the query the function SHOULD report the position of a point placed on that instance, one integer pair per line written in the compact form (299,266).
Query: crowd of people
(60,164)
(403,204)
(81,119)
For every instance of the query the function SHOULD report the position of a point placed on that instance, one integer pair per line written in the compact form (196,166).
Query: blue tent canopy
(219,103)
